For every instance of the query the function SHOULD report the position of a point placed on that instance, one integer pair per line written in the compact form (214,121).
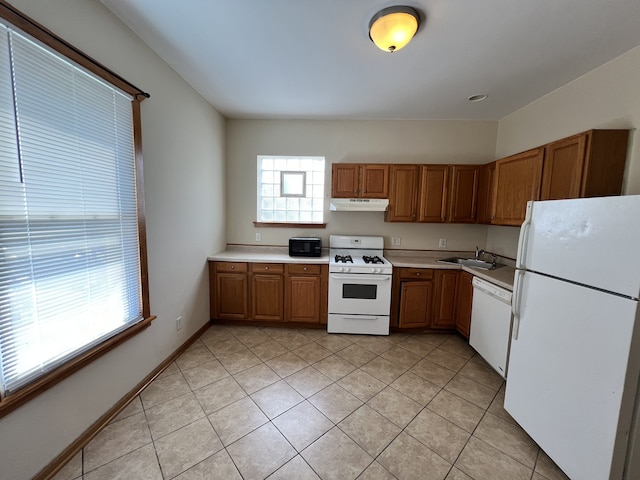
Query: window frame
(29,391)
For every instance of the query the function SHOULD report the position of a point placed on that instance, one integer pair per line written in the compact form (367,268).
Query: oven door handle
(360,317)
(375,278)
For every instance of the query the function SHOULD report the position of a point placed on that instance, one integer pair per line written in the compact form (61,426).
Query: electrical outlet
(258,237)
(395,241)
(442,243)
(179,323)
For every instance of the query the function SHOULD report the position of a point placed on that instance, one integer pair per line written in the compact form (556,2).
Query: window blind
(69,247)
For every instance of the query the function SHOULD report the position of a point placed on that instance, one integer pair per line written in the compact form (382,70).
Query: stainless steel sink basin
(471,262)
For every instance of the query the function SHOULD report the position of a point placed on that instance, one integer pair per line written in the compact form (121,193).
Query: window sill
(35,388)
(289,225)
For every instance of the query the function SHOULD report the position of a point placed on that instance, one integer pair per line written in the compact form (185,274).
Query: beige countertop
(502,276)
(264,254)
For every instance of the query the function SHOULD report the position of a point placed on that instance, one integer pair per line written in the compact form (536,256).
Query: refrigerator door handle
(524,237)
(515,303)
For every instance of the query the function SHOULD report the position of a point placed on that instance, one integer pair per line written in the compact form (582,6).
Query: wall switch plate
(258,237)
(179,323)
(442,243)
(395,241)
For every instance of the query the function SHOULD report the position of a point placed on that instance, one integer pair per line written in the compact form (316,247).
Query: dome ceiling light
(393,28)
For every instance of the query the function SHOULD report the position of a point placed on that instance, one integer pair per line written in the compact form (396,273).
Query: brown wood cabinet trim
(35,388)
(289,225)
(79,443)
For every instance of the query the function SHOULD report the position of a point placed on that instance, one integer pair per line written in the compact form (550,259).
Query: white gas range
(359,285)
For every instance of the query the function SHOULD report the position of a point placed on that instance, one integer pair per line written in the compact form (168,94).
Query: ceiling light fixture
(393,28)
(477,98)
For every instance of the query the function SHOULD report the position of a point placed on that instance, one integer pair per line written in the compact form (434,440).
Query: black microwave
(305,247)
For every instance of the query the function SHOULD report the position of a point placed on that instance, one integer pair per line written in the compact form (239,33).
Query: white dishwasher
(490,333)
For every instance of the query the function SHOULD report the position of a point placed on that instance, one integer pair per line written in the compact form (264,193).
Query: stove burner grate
(368,259)
(344,259)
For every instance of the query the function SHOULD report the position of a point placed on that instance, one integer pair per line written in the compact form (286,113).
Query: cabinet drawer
(296,269)
(417,273)
(238,267)
(267,268)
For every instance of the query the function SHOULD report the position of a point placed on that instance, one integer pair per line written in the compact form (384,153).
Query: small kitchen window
(290,191)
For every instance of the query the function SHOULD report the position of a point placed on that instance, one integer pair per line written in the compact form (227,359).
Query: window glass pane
(302,179)
(293,183)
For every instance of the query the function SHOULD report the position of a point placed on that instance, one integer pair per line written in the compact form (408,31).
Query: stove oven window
(359,291)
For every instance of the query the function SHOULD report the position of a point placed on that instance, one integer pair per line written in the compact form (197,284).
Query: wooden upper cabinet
(590,164)
(403,193)
(517,180)
(345,180)
(374,181)
(485,192)
(464,193)
(434,192)
(353,180)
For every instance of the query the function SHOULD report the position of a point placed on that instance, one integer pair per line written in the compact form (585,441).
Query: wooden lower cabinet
(416,298)
(424,298)
(464,300)
(444,306)
(229,290)
(268,292)
(303,293)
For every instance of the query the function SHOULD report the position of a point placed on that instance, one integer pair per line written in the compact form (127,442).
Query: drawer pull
(305,269)
(417,274)
(266,268)
(232,267)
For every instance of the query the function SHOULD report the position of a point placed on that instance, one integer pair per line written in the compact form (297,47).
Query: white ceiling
(312,59)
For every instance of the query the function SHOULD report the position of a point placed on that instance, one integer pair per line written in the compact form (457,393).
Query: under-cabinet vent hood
(359,204)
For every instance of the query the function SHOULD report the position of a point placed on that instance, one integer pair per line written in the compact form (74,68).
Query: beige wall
(183,144)
(394,141)
(607,97)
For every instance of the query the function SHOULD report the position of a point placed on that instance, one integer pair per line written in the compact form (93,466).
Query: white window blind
(69,251)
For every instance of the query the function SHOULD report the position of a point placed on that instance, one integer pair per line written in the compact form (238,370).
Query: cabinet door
(415,304)
(486,192)
(232,296)
(303,299)
(403,194)
(446,282)
(345,180)
(517,180)
(267,294)
(375,181)
(464,299)
(563,168)
(464,193)
(434,190)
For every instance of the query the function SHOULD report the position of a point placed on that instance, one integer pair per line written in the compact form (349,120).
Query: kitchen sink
(471,262)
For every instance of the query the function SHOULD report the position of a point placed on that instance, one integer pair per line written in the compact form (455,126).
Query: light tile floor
(253,403)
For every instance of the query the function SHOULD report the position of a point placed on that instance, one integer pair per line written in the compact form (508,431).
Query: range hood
(358,204)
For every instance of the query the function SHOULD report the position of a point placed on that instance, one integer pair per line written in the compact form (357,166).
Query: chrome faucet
(479,253)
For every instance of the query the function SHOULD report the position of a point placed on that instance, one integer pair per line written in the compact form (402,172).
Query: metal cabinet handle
(233,267)
(305,269)
(417,274)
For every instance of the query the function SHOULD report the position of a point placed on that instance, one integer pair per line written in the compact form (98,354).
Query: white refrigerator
(574,363)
